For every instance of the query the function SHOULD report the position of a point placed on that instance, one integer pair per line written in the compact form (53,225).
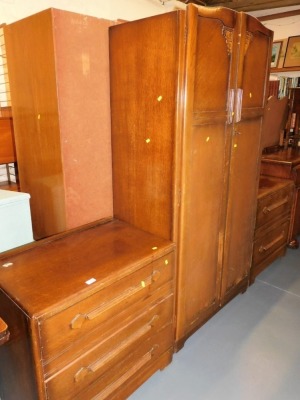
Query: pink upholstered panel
(82,64)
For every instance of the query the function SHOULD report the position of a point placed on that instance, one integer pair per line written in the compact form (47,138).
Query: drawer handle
(268,209)
(155,275)
(4,332)
(128,374)
(263,249)
(79,319)
(230,103)
(94,367)
(238,104)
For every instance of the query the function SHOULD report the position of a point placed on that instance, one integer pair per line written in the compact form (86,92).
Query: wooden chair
(275,118)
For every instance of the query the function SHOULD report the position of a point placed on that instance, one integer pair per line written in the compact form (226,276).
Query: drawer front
(270,241)
(274,206)
(116,323)
(73,323)
(140,360)
(274,169)
(140,336)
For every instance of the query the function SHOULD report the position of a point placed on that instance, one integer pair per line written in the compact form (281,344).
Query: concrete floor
(250,350)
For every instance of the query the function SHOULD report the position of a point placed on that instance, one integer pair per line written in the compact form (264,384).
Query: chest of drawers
(274,205)
(90,314)
(285,164)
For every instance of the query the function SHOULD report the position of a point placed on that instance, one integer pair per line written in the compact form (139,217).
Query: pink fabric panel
(82,63)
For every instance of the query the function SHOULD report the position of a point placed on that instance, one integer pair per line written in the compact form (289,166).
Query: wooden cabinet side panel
(30,57)
(143,74)
(201,242)
(82,71)
(16,367)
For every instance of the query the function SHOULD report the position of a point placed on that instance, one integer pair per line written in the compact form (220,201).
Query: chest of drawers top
(282,164)
(269,185)
(46,277)
(285,156)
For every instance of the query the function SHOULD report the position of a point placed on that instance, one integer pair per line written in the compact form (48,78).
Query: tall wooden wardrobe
(59,80)
(188,89)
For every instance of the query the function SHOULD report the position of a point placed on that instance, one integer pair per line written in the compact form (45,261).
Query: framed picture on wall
(276,49)
(292,54)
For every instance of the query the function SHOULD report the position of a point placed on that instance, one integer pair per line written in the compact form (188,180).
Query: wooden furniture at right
(285,164)
(7,145)
(188,90)
(274,122)
(59,83)
(8,151)
(293,124)
(274,205)
(86,315)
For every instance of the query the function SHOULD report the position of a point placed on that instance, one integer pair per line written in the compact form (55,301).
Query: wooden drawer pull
(4,332)
(119,382)
(263,249)
(79,319)
(268,209)
(84,371)
(155,276)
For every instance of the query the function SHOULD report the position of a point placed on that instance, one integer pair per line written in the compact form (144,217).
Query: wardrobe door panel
(243,181)
(212,66)
(255,71)
(201,231)
(252,76)
(204,171)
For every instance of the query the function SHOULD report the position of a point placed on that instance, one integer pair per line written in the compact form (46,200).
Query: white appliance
(15,220)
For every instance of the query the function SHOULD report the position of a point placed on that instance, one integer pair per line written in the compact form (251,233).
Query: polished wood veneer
(188,90)
(59,81)
(90,314)
(273,216)
(285,164)
(7,143)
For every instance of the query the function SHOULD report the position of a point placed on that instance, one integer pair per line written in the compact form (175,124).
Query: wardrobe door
(252,76)
(205,150)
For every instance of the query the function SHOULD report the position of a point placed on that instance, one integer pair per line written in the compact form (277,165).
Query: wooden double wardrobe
(188,91)
(92,312)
